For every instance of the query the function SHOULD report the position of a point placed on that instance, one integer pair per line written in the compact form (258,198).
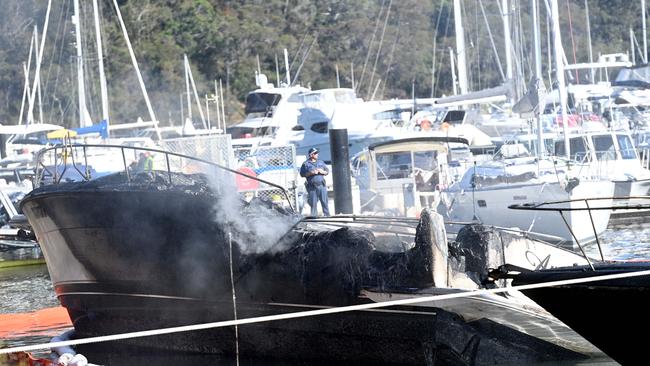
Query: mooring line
(234,297)
(302,314)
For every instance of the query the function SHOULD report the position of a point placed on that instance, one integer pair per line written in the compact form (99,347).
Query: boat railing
(590,205)
(82,162)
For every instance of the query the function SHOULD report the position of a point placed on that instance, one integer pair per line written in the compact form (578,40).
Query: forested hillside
(388,48)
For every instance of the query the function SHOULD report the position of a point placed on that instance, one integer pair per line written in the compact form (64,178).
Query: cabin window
(577,146)
(247,132)
(605,149)
(319,127)
(394,165)
(261,104)
(626,146)
(34,138)
(425,160)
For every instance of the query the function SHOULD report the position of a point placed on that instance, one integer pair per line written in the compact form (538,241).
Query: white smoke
(255,228)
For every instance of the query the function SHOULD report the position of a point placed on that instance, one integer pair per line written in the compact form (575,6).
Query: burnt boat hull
(126,258)
(601,311)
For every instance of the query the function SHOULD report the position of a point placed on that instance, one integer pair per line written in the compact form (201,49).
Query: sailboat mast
(37,73)
(100,57)
(80,66)
(461,52)
(137,69)
(286,67)
(559,70)
(538,77)
(645,41)
(506,39)
(187,88)
(592,71)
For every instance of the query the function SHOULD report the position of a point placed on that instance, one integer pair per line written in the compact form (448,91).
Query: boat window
(260,104)
(247,132)
(345,96)
(626,146)
(320,127)
(576,145)
(425,160)
(34,138)
(604,146)
(360,170)
(393,165)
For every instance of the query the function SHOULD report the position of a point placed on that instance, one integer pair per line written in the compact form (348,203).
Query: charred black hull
(129,257)
(604,312)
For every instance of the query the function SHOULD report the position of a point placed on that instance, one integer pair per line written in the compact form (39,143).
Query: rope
(302,314)
(234,297)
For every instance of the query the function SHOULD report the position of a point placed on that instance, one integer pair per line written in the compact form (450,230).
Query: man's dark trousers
(315,194)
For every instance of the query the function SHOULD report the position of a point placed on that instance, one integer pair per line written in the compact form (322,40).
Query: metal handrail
(588,208)
(541,206)
(69,149)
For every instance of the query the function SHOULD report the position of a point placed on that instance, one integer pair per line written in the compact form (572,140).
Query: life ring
(445,126)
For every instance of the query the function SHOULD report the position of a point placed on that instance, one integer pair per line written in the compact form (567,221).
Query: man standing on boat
(314,171)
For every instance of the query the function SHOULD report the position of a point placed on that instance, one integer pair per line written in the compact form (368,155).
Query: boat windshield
(400,164)
(261,104)
(626,146)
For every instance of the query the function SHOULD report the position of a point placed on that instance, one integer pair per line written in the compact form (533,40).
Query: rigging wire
(372,40)
(444,35)
(381,41)
(494,48)
(435,47)
(573,43)
(304,58)
(234,296)
(61,48)
(391,55)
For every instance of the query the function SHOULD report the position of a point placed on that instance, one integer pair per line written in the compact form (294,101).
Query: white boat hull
(490,206)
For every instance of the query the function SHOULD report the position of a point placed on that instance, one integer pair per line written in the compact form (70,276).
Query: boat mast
(26,68)
(286,67)
(538,78)
(460,48)
(645,41)
(37,72)
(508,45)
(76,20)
(559,70)
(137,69)
(100,57)
(187,89)
(196,94)
(592,72)
(452,63)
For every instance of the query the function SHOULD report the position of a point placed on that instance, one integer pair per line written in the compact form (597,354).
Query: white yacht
(278,116)
(487,190)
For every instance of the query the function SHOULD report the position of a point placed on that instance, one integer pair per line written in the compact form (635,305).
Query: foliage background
(391,48)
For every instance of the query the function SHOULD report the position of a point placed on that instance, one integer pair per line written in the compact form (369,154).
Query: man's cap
(313,150)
